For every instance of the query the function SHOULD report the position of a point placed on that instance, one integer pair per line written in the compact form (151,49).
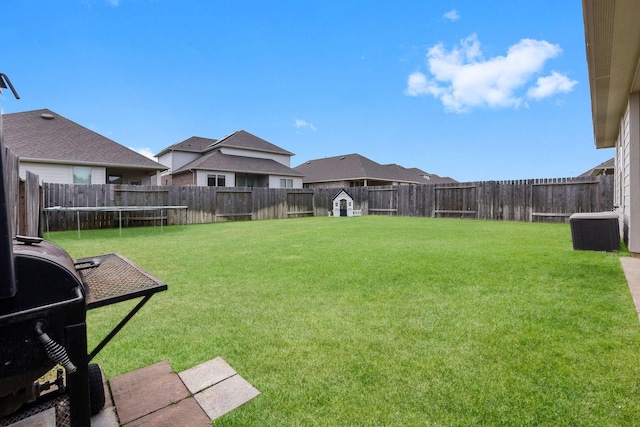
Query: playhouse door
(343,207)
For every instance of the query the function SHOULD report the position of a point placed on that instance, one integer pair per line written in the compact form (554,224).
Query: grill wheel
(96,388)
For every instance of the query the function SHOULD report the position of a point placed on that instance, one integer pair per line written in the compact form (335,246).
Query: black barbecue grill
(44,298)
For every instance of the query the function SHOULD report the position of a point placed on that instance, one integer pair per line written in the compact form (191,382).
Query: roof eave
(612,39)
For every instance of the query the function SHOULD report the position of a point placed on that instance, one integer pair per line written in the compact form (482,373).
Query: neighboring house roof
(612,37)
(245,140)
(355,166)
(419,174)
(47,137)
(195,144)
(216,161)
(604,168)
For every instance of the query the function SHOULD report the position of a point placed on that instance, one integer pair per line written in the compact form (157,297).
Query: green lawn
(385,321)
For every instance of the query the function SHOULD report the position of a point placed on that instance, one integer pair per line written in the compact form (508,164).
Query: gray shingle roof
(424,177)
(350,166)
(603,168)
(217,161)
(355,166)
(246,140)
(45,136)
(195,144)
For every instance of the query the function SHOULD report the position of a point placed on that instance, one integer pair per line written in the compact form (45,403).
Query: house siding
(60,174)
(627,185)
(274,181)
(48,172)
(179,159)
(632,172)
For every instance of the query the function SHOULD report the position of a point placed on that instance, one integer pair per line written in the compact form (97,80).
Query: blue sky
(467,89)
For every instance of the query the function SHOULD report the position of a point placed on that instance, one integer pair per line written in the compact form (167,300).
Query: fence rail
(537,200)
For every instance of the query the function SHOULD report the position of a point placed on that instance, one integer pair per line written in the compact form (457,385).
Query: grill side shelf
(112,278)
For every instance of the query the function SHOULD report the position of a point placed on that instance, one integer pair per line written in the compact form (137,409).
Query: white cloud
(302,124)
(550,85)
(452,15)
(145,152)
(114,3)
(463,79)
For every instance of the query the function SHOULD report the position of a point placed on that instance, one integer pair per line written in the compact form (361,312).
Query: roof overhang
(612,37)
(92,164)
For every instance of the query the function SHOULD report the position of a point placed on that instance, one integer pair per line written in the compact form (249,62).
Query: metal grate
(60,406)
(111,278)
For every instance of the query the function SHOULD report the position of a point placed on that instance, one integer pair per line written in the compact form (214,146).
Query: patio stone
(146,390)
(226,396)
(186,413)
(206,374)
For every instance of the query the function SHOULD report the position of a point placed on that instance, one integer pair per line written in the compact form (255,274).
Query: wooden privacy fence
(23,197)
(550,200)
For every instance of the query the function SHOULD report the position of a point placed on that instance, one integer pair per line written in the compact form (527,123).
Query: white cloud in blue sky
(462,79)
(300,124)
(145,152)
(452,15)
(551,85)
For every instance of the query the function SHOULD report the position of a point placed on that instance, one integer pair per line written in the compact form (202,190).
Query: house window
(243,181)
(216,180)
(115,179)
(286,183)
(81,175)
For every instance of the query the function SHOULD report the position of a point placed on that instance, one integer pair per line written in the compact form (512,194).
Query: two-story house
(237,160)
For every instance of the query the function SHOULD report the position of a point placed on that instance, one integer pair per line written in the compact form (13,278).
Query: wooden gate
(457,201)
(555,201)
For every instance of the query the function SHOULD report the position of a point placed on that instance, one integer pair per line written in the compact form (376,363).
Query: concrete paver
(186,413)
(105,418)
(146,390)
(206,374)
(226,396)
(157,396)
(631,267)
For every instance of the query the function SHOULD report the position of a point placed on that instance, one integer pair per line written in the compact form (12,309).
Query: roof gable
(45,136)
(195,144)
(245,140)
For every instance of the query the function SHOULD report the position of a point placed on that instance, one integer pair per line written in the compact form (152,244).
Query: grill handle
(21,315)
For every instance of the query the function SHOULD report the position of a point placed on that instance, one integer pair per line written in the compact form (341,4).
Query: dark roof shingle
(218,161)
(355,166)
(195,144)
(45,136)
(246,140)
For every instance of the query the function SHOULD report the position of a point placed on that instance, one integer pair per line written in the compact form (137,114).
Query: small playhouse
(343,205)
